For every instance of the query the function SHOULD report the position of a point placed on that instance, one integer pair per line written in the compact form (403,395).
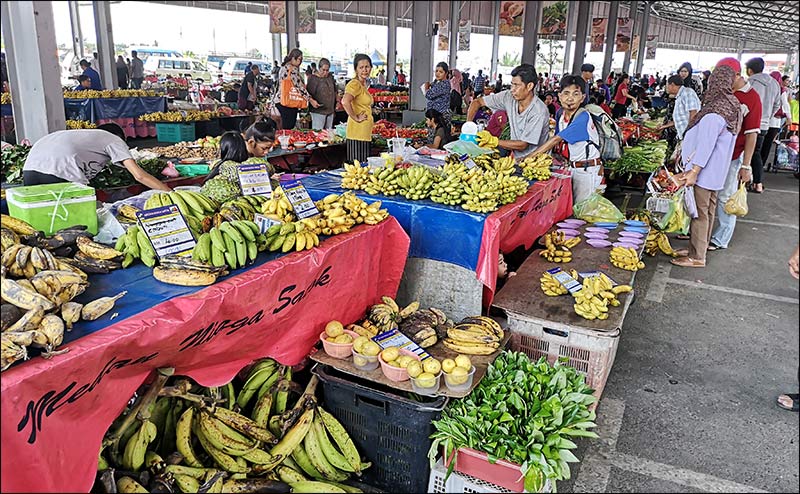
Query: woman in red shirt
(621,97)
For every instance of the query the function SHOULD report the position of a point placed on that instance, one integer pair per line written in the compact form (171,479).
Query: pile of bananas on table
(296,236)
(112,93)
(355,176)
(179,116)
(416,182)
(597,293)
(557,247)
(449,187)
(552,287)
(252,436)
(536,167)
(656,242)
(384,180)
(475,335)
(626,258)
(80,124)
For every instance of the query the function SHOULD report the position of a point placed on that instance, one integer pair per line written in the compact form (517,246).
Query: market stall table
(316,153)
(454,253)
(55,412)
(122,111)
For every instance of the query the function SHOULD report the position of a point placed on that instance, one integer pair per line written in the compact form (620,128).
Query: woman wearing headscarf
(775,120)
(685,71)
(706,155)
(456,101)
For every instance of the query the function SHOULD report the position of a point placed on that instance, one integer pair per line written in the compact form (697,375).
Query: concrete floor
(690,402)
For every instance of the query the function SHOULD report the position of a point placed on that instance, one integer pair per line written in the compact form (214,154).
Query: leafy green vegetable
(647,157)
(523,412)
(117,176)
(13,158)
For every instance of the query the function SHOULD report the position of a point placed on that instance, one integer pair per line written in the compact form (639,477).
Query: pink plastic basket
(338,350)
(476,464)
(396,373)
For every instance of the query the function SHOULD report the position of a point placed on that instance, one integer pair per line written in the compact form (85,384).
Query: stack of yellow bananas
(278,207)
(557,247)
(112,93)
(355,176)
(475,335)
(536,167)
(592,301)
(80,124)
(658,241)
(626,258)
(387,315)
(179,116)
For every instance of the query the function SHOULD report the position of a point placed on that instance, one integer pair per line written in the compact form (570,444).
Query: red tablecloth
(55,412)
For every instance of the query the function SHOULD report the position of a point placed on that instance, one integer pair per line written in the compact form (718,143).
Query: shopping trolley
(786,156)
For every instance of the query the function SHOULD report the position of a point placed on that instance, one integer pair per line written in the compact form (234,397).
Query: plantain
(294,436)
(184,277)
(96,308)
(17,225)
(126,485)
(95,250)
(183,438)
(13,293)
(108,264)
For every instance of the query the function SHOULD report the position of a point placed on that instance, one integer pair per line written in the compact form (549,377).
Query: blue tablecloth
(439,232)
(94,109)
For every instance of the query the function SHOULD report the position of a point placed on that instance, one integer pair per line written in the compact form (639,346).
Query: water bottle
(630,112)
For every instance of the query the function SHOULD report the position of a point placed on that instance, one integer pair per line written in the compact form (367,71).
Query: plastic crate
(389,430)
(591,353)
(476,464)
(175,132)
(459,482)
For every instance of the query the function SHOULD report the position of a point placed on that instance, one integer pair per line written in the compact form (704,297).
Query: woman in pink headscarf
(775,121)
(456,101)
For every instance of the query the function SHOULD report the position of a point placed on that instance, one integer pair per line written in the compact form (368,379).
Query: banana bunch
(187,438)
(416,182)
(179,116)
(18,226)
(597,293)
(295,236)
(449,189)
(455,167)
(127,214)
(501,166)
(425,327)
(536,167)
(658,241)
(551,286)
(388,315)
(185,271)
(476,335)
(642,215)
(626,258)
(93,257)
(355,176)
(80,124)
(24,261)
(481,192)
(232,243)
(384,180)
(339,213)
(128,244)
(242,207)
(193,205)
(511,187)
(8,237)
(278,207)
(557,247)
(364,328)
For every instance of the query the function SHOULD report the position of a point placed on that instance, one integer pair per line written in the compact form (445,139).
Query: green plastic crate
(175,132)
(193,170)
(51,207)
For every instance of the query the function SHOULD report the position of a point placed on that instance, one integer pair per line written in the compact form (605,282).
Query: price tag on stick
(254,180)
(302,204)
(167,230)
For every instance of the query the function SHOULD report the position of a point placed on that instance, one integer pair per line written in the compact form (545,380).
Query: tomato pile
(308,136)
(387,129)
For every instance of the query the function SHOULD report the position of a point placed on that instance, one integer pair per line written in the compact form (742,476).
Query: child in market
(503,273)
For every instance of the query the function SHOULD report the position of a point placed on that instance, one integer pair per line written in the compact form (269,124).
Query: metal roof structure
(768,26)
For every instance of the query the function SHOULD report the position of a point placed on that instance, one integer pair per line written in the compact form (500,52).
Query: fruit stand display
(121,106)
(384,130)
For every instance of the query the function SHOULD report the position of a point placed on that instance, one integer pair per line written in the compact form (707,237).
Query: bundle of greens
(522,412)
(13,158)
(117,176)
(646,157)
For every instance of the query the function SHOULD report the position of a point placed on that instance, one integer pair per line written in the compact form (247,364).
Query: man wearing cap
(743,151)
(587,73)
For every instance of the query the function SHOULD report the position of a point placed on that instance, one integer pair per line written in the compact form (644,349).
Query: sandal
(713,247)
(688,262)
(795,397)
(681,253)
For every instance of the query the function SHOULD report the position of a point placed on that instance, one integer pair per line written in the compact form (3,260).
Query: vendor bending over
(527,114)
(79,155)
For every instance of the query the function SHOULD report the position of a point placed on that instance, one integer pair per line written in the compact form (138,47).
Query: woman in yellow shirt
(357,102)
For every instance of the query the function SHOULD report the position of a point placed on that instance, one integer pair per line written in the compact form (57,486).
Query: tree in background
(549,55)
(509,60)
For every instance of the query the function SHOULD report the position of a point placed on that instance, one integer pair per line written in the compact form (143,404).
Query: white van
(233,68)
(144,52)
(176,67)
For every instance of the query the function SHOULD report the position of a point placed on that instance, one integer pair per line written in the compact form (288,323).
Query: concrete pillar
(292,41)
(77,32)
(796,65)
(421,51)
(645,25)
(611,36)
(581,32)
(530,35)
(277,48)
(33,69)
(495,39)
(633,14)
(455,17)
(391,49)
(105,44)
(572,14)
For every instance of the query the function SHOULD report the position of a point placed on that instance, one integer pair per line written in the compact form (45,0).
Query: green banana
(261,410)
(136,447)
(228,229)
(342,439)
(183,438)
(217,240)
(313,448)
(244,425)
(248,234)
(222,459)
(333,456)
(290,475)
(309,486)
(230,251)
(218,438)
(300,456)
(294,436)
(186,483)
(258,375)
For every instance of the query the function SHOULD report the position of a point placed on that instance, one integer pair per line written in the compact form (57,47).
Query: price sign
(254,180)
(167,230)
(467,161)
(297,194)
(264,223)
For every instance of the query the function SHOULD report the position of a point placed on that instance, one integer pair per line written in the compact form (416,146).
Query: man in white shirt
(687,104)
(769,91)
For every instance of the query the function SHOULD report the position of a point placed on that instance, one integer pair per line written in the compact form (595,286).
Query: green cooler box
(51,207)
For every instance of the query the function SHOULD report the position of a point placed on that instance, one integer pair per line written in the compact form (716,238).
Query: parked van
(144,52)
(233,68)
(176,67)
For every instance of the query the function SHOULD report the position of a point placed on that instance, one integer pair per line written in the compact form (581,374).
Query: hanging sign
(254,180)
(167,230)
(443,41)
(652,43)
(599,25)
(623,40)
(512,14)
(302,204)
(464,32)
(554,19)
(306,17)
(277,16)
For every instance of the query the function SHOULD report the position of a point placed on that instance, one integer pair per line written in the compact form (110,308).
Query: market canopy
(377,58)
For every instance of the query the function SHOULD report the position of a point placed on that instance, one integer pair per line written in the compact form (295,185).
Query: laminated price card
(263,222)
(167,230)
(297,194)
(254,180)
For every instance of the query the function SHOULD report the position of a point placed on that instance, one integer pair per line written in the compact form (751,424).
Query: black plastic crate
(389,430)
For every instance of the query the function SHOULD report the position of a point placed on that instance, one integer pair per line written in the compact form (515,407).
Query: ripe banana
(97,251)
(184,277)
(294,436)
(17,225)
(96,308)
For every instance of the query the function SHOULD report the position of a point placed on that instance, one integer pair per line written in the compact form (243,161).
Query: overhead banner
(512,13)
(464,33)
(599,25)
(652,43)
(623,34)
(443,43)
(554,18)
(277,16)
(635,47)
(306,17)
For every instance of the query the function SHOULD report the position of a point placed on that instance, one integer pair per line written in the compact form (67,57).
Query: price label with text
(297,194)
(264,223)
(167,230)
(468,162)
(254,180)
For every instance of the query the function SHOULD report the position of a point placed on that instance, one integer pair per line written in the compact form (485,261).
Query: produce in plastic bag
(737,203)
(597,208)
(676,220)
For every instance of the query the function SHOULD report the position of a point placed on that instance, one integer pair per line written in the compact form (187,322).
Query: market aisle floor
(690,403)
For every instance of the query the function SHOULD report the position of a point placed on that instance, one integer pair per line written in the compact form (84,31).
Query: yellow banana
(293,436)
(17,225)
(95,250)
(13,293)
(96,308)
(183,438)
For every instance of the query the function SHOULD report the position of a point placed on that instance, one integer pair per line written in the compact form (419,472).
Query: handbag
(291,97)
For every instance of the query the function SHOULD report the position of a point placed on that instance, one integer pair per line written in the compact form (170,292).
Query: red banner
(55,412)
(521,223)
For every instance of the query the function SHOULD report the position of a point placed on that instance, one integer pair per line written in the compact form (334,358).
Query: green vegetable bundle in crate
(524,412)
(646,157)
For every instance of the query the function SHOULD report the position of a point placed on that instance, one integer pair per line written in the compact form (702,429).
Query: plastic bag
(585,182)
(676,220)
(466,147)
(597,208)
(737,203)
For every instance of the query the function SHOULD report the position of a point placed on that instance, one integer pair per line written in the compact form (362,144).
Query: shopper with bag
(322,87)
(357,102)
(292,95)
(707,147)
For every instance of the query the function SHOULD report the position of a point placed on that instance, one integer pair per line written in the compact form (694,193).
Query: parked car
(176,67)
(144,52)
(233,68)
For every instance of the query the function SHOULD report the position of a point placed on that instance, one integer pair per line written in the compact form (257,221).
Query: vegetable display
(117,176)
(646,157)
(524,412)
(12,159)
